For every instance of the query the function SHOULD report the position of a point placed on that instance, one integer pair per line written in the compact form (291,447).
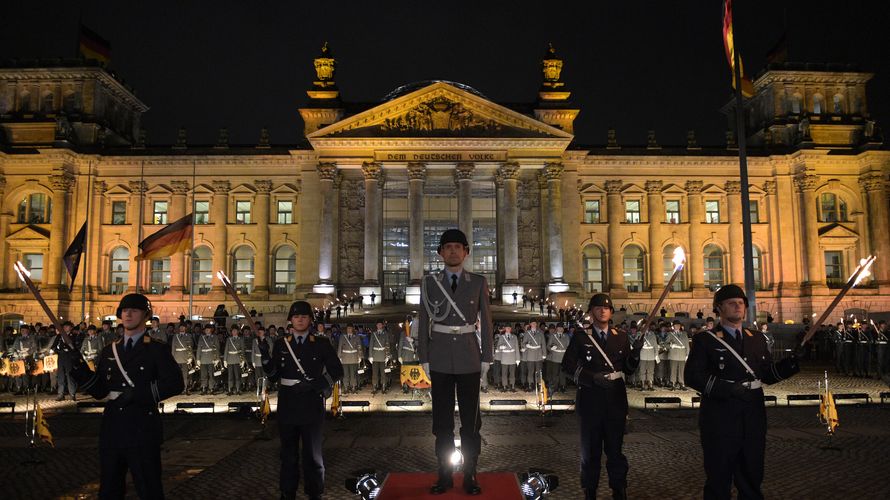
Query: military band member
(307,368)
(508,350)
(256,357)
(23,349)
(450,304)
(91,347)
(183,347)
(378,356)
(535,354)
(135,373)
(881,351)
(728,366)
(208,358)
(556,349)
(349,350)
(64,378)
(679,351)
(234,361)
(598,360)
(863,344)
(522,367)
(849,350)
(649,357)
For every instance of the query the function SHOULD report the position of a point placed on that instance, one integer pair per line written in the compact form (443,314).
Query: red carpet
(416,486)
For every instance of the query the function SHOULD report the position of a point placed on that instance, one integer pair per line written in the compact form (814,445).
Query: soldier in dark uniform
(728,366)
(598,361)
(450,303)
(135,373)
(307,368)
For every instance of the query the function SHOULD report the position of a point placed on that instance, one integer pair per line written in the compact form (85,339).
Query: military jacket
(183,346)
(378,349)
(583,363)
(508,347)
(534,344)
(679,346)
(91,347)
(208,349)
(408,350)
(24,347)
(302,403)
(234,351)
(349,349)
(556,347)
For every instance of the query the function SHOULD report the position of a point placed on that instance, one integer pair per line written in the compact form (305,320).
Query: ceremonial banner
(38,370)
(4,367)
(51,363)
(41,427)
(16,368)
(414,377)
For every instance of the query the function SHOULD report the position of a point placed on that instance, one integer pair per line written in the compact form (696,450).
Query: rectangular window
(755,211)
(202,212)
(672,211)
(834,269)
(242,212)
(712,212)
(591,211)
(285,212)
(118,212)
(34,263)
(160,276)
(632,211)
(159,212)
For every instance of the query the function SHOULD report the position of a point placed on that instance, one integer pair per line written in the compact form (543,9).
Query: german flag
(93,46)
(172,239)
(729,46)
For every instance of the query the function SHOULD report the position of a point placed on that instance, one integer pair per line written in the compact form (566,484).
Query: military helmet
(453,236)
(134,301)
(600,300)
(729,292)
(299,308)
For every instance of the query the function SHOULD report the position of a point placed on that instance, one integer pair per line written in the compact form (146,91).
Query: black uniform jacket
(303,403)
(583,362)
(713,370)
(156,377)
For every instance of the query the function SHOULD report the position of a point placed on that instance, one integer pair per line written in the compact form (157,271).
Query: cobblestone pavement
(219,456)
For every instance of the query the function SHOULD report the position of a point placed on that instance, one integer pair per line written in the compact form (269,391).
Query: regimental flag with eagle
(41,428)
(828,412)
(92,46)
(729,45)
(172,239)
(265,409)
(543,394)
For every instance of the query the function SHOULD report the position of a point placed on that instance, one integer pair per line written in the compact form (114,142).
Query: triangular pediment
(28,233)
(439,110)
(837,231)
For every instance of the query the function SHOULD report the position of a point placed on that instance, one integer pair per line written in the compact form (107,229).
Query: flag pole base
(828,446)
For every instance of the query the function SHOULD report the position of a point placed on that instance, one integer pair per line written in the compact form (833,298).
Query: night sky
(632,66)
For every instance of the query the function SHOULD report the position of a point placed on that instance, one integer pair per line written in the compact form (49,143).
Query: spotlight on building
(364,483)
(457,459)
(536,483)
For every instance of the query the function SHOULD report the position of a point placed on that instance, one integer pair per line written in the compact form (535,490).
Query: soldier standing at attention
(507,349)
(679,351)
(598,360)
(233,360)
(450,304)
(378,356)
(91,347)
(136,373)
(349,350)
(556,349)
(728,366)
(208,356)
(307,368)
(183,345)
(534,344)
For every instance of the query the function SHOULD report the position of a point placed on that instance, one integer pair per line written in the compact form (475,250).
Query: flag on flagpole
(828,412)
(266,409)
(71,259)
(177,237)
(729,46)
(41,427)
(93,46)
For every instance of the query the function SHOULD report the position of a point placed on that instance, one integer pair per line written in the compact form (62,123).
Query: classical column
(261,261)
(61,185)
(774,251)
(736,240)
(463,177)
(873,184)
(656,260)
(694,257)
(136,218)
(614,210)
(372,172)
(326,173)
(219,217)
(499,231)
(544,216)
(4,229)
(553,174)
(96,277)
(510,174)
(178,210)
(806,184)
(416,177)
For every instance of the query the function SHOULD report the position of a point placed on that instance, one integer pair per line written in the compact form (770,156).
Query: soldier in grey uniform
(349,350)
(107,332)
(378,356)
(24,348)
(679,351)
(234,360)
(256,357)
(183,347)
(483,374)
(156,332)
(496,364)
(508,346)
(556,349)
(523,357)
(450,304)
(648,359)
(534,344)
(91,347)
(407,354)
(208,357)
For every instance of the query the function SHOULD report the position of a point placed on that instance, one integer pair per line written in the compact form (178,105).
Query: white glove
(517,362)
(400,360)
(426,369)
(544,357)
(225,364)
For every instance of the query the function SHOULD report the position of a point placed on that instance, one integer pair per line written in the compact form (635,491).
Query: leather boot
(445,481)
(619,493)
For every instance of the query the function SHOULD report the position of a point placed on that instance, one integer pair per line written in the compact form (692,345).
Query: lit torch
(679,261)
(25,276)
(231,291)
(860,273)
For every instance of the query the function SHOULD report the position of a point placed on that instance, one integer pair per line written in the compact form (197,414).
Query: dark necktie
(299,340)
(453,282)
(129,345)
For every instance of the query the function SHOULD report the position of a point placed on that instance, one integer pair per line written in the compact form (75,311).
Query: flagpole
(748,253)
(141,218)
(191,278)
(83,290)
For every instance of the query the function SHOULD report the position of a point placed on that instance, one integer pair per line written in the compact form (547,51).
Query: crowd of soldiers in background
(218,359)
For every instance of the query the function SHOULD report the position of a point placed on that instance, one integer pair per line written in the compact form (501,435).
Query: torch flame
(679,259)
(21,270)
(866,269)
(222,276)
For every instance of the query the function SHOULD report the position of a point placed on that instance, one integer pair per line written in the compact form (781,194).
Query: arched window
(35,208)
(757,264)
(285,270)
(592,269)
(160,276)
(713,257)
(668,259)
(818,104)
(120,271)
(795,103)
(634,274)
(243,269)
(201,271)
(838,104)
(832,208)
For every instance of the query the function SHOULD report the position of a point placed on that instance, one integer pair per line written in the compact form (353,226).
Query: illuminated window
(834,269)
(243,269)
(285,212)
(159,212)
(592,267)
(672,211)
(484,254)
(120,271)
(712,212)
(634,274)
(160,276)
(285,270)
(35,208)
(838,104)
(832,208)
(34,263)
(591,211)
(242,212)
(118,212)
(755,211)
(818,104)
(202,274)
(757,264)
(632,211)
(713,264)
(202,212)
